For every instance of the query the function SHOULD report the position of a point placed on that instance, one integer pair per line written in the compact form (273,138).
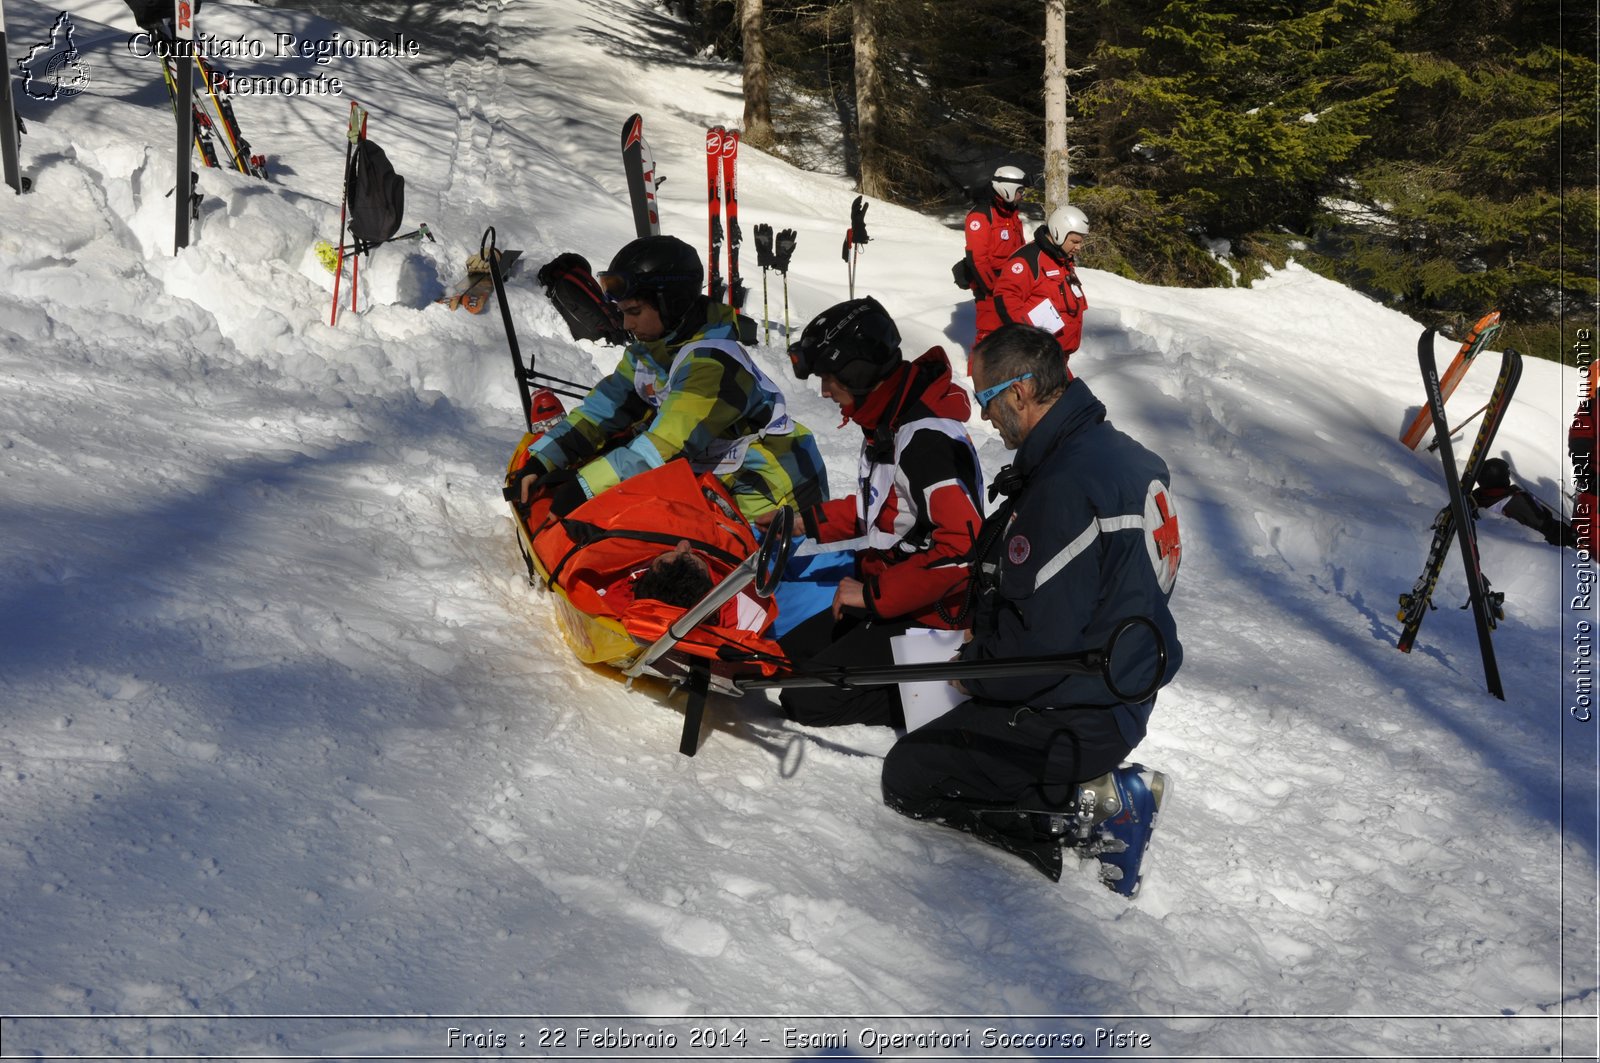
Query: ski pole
(849,262)
(856,237)
(1083,662)
(1457,430)
(783,251)
(764,259)
(486,248)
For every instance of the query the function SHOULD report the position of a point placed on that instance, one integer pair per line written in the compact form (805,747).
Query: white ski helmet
(1008,183)
(1066,220)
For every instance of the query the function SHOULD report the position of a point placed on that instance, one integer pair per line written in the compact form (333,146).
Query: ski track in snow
(285,730)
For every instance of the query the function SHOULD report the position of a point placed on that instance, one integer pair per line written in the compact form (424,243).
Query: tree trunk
(757,92)
(869,100)
(1056,168)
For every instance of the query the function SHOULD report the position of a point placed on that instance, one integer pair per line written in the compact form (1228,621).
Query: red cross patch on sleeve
(1161,535)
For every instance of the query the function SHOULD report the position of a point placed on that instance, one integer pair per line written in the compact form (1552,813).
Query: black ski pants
(853,642)
(981,755)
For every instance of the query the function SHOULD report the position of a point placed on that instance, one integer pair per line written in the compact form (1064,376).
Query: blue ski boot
(1122,839)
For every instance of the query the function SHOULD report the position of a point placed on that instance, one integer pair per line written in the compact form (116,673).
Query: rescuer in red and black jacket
(994,233)
(1039,284)
(910,523)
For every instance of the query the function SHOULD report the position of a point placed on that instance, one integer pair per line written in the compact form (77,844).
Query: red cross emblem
(1164,544)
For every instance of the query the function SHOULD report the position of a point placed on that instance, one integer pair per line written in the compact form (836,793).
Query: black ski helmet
(855,341)
(1494,473)
(660,269)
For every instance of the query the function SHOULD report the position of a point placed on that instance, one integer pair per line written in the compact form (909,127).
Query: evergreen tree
(1239,115)
(1437,153)
(1481,190)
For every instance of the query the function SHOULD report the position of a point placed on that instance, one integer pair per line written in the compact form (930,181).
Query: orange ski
(1476,340)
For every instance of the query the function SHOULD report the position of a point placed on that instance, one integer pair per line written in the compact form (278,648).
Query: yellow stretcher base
(593,639)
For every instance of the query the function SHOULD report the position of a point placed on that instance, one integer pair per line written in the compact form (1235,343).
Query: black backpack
(375,195)
(571,286)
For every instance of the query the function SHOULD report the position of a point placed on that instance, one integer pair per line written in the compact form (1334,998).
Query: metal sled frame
(526,374)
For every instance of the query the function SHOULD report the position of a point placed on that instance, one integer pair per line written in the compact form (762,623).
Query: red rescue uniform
(1041,273)
(994,234)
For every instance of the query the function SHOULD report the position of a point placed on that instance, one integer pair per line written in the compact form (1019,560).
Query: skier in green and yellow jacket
(684,388)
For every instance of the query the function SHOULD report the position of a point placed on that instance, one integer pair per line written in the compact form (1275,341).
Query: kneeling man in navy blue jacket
(1086,539)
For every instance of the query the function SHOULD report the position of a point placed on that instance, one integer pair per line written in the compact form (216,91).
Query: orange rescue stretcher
(591,558)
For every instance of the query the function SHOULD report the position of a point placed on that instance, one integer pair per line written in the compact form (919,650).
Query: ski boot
(1039,836)
(1119,841)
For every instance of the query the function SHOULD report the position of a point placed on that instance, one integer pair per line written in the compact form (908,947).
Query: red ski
(730,193)
(714,210)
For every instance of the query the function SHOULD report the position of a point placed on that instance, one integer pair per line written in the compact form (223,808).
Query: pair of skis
(196,128)
(722,200)
(1456,520)
(182,86)
(217,124)
(240,157)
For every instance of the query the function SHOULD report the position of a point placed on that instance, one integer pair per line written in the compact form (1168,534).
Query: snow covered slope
(284,732)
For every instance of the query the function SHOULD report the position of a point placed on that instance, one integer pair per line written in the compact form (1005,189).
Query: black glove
(536,469)
(858,221)
(785,250)
(962,275)
(564,490)
(763,246)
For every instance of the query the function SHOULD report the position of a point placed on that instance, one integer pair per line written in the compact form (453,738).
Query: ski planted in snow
(10,124)
(1458,516)
(183,186)
(640,166)
(1477,339)
(355,133)
(1415,604)
(714,287)
(730,196)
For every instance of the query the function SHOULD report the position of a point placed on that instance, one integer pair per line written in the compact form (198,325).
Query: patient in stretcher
(678,577)
(650,548)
